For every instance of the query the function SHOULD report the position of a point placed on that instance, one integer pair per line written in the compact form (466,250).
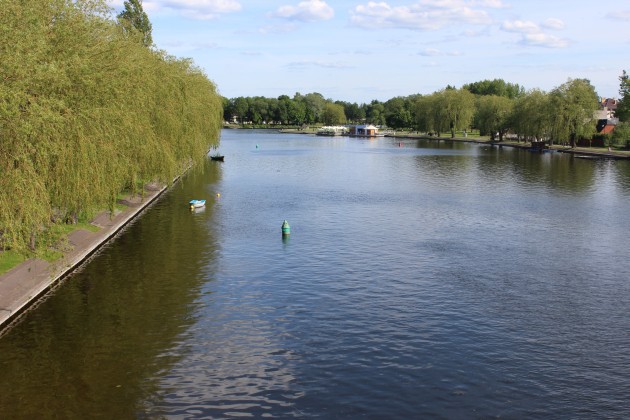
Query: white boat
(332,130)
(195,204)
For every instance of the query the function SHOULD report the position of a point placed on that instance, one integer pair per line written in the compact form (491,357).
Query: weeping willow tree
(87,111)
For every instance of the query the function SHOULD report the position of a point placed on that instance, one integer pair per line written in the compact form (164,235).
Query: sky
(359,51)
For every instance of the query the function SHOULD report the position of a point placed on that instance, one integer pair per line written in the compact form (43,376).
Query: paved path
(23,285)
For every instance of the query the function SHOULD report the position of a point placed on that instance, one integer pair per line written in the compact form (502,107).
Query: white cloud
(532,34)
(423,15)
(194,9)
(622,15)
(544,40)
(305,11)
(495,4)
(553,23)
(520,26)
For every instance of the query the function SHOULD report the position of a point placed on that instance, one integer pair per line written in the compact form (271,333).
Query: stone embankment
(26,284)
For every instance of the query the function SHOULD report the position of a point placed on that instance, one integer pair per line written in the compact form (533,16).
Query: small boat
(195,204)
(334,130)
(217,157)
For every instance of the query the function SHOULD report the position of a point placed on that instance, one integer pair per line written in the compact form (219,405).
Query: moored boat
(365,131)
(195,204)
(335,130)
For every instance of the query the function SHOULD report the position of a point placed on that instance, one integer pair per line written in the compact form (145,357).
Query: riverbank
(586,152)
(24,285)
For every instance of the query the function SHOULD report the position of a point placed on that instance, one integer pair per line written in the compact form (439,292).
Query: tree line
(494,107)
(88,109)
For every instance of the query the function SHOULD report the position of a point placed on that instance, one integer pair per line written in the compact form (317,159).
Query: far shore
(601,152)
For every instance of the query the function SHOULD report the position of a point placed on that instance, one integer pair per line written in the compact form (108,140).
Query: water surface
(421,279)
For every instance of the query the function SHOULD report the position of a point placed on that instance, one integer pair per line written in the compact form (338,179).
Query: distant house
(607,108)
(606,126)
(364,131)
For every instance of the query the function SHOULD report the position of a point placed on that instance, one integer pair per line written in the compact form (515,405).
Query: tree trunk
(31,243)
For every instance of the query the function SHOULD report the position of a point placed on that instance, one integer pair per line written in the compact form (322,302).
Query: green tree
(458,109)
(333,114)
(241,108)
(496,87)
(397,113)
(297,112)
(621,135)
(623,105)
(282,110)
(87,112)
(492,115)
(134,17)
(429,115)
(353,112)
(314,106)
(531,116)
(574,104)
(375,113)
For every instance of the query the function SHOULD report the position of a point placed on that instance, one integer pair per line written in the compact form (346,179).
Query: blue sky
(357,51)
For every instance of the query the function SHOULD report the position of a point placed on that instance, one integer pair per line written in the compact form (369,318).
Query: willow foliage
(87,111)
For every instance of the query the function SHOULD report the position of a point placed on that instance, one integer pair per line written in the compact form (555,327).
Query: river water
(421,279)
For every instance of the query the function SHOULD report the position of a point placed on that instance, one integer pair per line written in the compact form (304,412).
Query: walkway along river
(25,284)
(422,279)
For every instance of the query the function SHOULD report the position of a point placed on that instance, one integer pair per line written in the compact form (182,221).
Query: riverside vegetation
(565,115)
(89,110)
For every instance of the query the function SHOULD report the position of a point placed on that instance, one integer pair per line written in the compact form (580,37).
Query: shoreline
(28,283)
(586,151)
(577,151)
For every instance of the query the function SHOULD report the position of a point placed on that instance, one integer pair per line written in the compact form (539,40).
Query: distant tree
(492,115)
(312,105)
(375,113)
(497,87)
(531,115)
(574,104)
(354,112)
(297,112)
(333,114)
(623,105)
(227,109)
(281,114)
(398,113)
(429,113)
(240,107)
(420,114)
(272,108)
(621,135)
(134,17)
(458,109)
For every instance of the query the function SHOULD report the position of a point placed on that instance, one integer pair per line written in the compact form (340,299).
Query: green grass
(10,259)
(50,250)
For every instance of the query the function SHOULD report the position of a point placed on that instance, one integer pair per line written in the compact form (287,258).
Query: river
(421,279)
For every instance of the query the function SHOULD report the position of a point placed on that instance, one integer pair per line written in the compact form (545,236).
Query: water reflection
(97,345)
(438,279)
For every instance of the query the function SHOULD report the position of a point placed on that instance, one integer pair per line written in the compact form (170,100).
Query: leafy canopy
(134,18)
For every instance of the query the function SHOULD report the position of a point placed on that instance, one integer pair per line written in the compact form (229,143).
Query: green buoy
(286,229)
